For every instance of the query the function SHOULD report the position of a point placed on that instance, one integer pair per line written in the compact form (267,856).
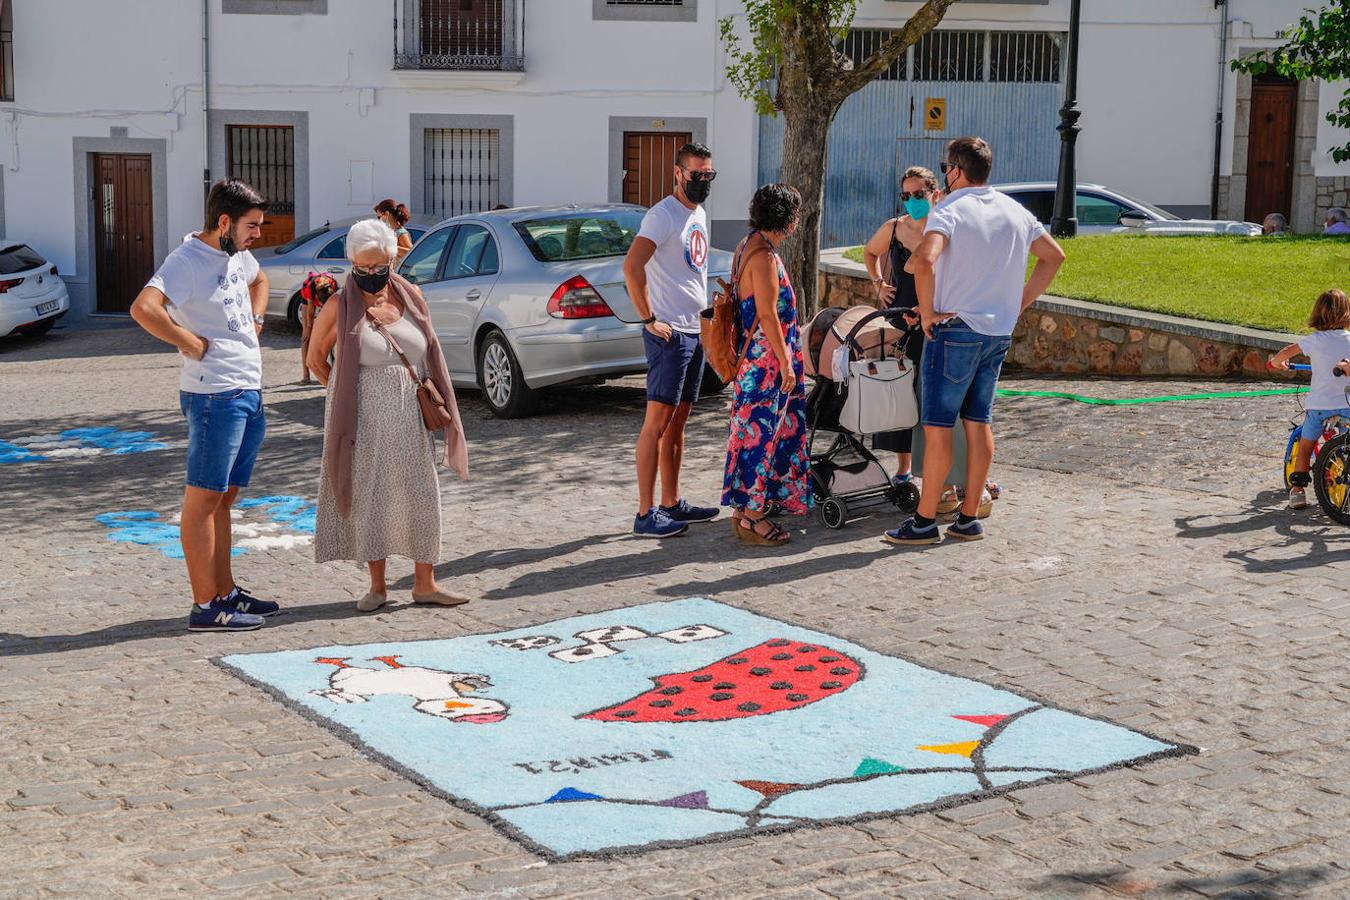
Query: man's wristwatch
(259,320)
(647,321)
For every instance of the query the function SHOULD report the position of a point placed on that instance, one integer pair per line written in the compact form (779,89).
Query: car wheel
(712,384)
(293,313)
(502,381)
(39,328)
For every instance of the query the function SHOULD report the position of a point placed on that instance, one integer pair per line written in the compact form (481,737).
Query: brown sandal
(752,536)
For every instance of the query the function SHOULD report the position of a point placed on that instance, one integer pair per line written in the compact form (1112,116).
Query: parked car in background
(32,294)
(321,250)
(524,299)
(1101,210)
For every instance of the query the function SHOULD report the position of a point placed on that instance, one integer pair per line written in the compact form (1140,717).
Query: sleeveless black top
(906,294)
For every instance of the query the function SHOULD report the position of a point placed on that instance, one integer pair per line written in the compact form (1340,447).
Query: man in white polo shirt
(208,300)
(970,275)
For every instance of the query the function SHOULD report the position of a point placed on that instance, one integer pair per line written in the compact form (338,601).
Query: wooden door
(264,156)
(648,164)
(1270,148)
(123,229)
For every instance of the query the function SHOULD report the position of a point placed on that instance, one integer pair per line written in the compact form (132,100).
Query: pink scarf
(340,438)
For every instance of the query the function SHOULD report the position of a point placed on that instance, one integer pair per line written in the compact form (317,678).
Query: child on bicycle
(1328,350)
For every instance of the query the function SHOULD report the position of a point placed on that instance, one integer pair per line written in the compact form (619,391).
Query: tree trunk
(804,156)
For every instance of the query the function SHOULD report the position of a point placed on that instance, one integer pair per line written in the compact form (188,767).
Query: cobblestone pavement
(1140,567)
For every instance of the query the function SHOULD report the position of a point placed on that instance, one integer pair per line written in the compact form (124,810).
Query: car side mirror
(1134,218)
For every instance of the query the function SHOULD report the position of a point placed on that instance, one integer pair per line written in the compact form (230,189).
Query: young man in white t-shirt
(208,299)
(970,275)
(667,276)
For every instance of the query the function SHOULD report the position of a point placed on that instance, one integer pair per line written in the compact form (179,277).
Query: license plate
(49,307)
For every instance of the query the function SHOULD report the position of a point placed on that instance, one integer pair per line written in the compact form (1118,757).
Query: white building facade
(112,122)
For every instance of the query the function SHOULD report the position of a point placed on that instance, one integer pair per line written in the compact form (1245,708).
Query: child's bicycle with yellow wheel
(1330,464)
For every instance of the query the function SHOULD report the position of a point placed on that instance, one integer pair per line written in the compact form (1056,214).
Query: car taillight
(576,299)
(12,282)
(52,271)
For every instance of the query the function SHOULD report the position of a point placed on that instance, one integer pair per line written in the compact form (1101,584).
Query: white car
(32,294)
(1101,210)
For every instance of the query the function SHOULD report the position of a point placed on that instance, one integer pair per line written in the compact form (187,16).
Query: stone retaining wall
(1075,337)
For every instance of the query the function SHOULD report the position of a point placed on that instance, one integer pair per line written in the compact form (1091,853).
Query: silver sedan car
(321,250)
(524,299)
(1101,210)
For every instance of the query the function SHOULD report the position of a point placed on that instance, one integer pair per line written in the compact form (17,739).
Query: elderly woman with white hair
(378,491)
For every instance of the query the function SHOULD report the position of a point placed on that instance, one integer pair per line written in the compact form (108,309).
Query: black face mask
(947,181)
(227,243)
(697,191)
(371,284)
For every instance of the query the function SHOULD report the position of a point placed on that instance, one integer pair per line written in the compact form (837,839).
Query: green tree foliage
(1317,47)
(792,64)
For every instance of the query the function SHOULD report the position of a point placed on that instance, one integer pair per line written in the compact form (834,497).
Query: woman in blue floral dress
(767,454)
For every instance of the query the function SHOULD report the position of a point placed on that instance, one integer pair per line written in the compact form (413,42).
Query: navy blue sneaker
(909,533)
(657,524)
(218,617)
(683,512)
(240,600)
(971,531)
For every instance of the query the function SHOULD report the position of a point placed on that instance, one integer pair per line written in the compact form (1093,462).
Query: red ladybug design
(771,677)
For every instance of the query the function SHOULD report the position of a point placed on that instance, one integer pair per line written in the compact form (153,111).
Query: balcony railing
(460,35)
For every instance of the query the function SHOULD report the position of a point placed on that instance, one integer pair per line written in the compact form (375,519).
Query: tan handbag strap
(736,292)
(417,379)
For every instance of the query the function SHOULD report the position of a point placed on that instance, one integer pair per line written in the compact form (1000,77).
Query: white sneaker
(1298,498)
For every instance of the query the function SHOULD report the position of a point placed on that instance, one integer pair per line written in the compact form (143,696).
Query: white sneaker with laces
(1298,498)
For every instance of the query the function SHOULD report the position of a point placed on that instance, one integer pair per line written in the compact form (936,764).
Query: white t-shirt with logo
(208,295)
(1324,349)
(677,274)
(981,274)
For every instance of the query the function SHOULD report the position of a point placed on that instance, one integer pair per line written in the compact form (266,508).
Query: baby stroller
(847,476)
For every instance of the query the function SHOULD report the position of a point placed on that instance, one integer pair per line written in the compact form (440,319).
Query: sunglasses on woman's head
(370,270)
(916,195)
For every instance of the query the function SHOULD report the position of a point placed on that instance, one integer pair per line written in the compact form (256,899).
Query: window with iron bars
(644,2)
(482,35)
(7,52)
(1026,56)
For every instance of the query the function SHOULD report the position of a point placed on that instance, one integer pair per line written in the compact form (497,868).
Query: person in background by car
(208,300)
(395,215)
(1275,223)
(313,294)
(666,272)
(1336,222)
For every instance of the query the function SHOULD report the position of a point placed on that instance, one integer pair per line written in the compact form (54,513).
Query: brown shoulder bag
(719,332)
(435,415)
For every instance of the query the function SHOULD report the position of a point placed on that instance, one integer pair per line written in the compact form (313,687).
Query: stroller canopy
(830,329)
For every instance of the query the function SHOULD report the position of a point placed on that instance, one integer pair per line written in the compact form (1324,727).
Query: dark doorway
(1270,147)
(123,228)
(648,162)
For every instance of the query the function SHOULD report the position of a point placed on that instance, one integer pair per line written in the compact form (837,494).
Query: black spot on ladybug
(748,707)
(781,656)
(721,695)
(781,685)
(796,698)
(830,685)
(660,704)
(672,690)
(760,670)
(625,714)
(805,669)
(724,686)
(737,660)
(778,643)
(687,711)
(701,678)
(807,649)
(841,670)
(829,659)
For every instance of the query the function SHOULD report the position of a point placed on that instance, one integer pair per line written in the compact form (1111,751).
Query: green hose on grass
(1132,401)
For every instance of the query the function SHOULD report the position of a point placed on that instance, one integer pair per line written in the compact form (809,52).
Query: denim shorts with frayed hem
(960,372)
(225,430)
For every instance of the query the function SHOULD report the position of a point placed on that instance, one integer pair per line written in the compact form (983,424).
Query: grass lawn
(1266,283)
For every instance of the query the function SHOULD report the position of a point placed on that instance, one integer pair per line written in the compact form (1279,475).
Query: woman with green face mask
(886,255)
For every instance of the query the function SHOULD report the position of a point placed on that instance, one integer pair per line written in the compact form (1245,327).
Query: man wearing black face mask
(666,272)
(208,300)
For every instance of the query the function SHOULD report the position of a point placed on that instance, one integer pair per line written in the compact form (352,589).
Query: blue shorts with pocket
(225,431)
(1315,420)
(960,372)
(674,367)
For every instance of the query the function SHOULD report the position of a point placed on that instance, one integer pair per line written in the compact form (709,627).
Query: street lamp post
(1065,221)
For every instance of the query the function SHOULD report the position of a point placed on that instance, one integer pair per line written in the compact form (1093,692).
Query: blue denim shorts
(960,372)
(674,367)
(1313,422)
(225,431)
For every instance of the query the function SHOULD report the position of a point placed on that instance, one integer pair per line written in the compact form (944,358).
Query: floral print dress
(767,453)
